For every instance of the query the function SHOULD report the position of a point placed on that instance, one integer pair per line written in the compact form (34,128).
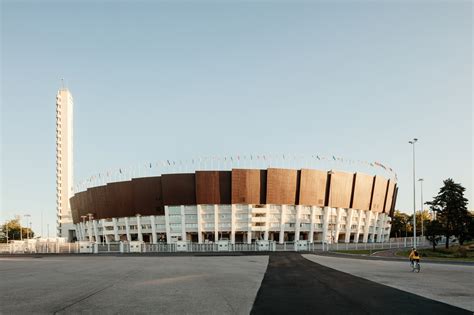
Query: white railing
(140,247)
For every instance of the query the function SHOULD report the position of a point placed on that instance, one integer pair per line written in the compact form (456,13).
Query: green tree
(434,230)
(421,215)
(15,231)
(400,224)
(451,208)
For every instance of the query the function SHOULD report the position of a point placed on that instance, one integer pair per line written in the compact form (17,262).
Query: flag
(333,157)
(120,170)
(251,157)
(168,162)
(150,164)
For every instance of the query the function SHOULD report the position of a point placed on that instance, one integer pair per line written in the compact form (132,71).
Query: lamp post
(412,142)
(421,210)
(331,224)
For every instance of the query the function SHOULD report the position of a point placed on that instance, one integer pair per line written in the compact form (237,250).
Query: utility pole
(412,142)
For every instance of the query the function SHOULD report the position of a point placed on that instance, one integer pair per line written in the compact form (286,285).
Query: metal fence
(140,247)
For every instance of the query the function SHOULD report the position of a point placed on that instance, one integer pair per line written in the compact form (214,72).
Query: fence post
(69,247)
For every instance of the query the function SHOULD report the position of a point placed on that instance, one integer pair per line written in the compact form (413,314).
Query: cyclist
(414,256)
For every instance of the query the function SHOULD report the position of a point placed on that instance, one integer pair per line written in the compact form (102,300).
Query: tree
(434,230)
(421,215)
(451,208)
(14,230)
(400,224)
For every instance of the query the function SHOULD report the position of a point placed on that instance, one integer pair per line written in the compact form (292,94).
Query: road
(293,284)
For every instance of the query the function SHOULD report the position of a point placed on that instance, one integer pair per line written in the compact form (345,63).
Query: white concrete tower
(64,163)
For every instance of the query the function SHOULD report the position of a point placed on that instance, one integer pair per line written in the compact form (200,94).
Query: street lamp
(412,142)
(421,211)
(331,224)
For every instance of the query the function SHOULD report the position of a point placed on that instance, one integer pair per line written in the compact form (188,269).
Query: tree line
(449,217)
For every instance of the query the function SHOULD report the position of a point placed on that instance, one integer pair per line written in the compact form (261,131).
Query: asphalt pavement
(295,285)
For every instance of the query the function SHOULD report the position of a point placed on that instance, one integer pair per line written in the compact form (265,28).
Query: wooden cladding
(313,187)
(249,186)
(340,190)
(282,186)
(148,196)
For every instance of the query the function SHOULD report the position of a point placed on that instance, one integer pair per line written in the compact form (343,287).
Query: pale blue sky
(175,80)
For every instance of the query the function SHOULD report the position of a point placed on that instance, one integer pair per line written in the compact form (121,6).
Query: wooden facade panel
(213,187)
(147,196)
(74,209)
(313,187)
(362,191)
(378,195)
(389,197)
(249,186)
(178,189)
(340,190)
(282,186)
(394,200)
(119,200)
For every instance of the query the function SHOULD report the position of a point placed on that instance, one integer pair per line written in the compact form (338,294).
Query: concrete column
(127,230)
(389,228)
(368,218)
(282,224)
(374,230)
(311,228)
(89,230)
(139,228)
(216,223)
(167,225)
(349,225)
(297,223)
(338,220)
(381,227)
(116,234)
(104,231)
(267,224)
(96,230)
(326,215)
(359,223)
(154,238)
(199,221)
(183,224)
(232,224)
(249,224)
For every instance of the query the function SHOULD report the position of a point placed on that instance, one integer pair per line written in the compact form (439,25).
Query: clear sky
(173,80)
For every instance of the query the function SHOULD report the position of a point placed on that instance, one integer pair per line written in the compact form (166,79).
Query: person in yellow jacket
(414,256)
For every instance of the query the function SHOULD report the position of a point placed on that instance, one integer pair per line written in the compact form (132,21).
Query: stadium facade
(240,205)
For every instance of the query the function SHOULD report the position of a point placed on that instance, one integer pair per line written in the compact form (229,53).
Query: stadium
(240,206)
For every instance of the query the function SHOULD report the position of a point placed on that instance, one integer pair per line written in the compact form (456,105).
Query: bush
(462,252)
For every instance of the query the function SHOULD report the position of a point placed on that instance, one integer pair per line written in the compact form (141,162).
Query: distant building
(64,163)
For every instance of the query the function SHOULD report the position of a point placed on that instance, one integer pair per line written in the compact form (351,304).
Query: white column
(372,236)
(89,230)
(167,225)
(326,215)
(127,230)
(232,224)
(139,228)
(267,224)
(389,228)
(154,238)
(199,221)
(116,234)
(104,231)
(216,223)
(183,224)
(297,223)
(349,225)
(311,228)
(368,218)
(282,224)
(249,224)
(338,220)
(381,227)
(96,230)
(359,223)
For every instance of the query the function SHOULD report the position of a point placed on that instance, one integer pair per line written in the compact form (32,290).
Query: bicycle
(415,265)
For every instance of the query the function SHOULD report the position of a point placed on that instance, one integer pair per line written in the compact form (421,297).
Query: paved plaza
(279,283)
(448,283)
